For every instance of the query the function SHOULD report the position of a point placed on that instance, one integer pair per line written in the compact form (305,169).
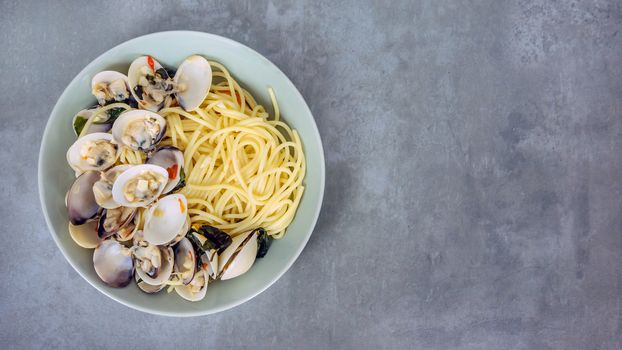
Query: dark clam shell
(183,251)
(110,224)
(113,263)
(169,158)
(81,204)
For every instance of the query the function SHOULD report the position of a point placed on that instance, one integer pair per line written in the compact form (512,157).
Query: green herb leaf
(78,124)
(196,243)
(264,241)
(214,239)
(217,239)
(113,114)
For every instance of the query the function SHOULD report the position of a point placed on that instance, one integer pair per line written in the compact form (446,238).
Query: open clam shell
(94,151)
(113,263)
(103,188)
(110,86)
(113,220)
(196,289)
(139,185)
(139,130)
(150,83)
(146,287)
(127,232)
(161,273)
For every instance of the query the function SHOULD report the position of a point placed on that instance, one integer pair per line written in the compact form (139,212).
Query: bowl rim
(280,271)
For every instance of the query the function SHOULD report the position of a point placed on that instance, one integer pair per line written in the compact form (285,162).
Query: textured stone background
(474,175)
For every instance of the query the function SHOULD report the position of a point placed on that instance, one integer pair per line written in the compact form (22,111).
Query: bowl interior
(255,73)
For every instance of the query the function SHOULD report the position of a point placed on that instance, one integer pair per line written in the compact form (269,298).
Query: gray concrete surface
(474,175)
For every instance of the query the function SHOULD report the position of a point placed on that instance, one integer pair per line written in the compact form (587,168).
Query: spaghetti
(242,169)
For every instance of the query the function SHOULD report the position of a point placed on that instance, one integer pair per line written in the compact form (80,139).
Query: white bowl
(255,73)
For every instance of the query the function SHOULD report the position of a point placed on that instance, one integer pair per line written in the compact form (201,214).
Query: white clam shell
(166,219)
(105,200)
(78,164)
(120,125)
(232,265)
(194,76)
(133,75)
(165,270)
(185,291)
(131,173)
(146,287)
(85,235)
(109,76)
(209,261)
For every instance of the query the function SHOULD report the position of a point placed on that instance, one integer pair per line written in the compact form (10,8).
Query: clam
(239,256)
(193,80)
(85,235)
(195,290)
(139,130)
(113,263)
(110,86)
(103,188)
(166,220)
(139,185)
(114,220)
(171,159)
(209,241)
(81,204)
(150,83)
(185,260)
(209,262)
(94,151)
(154,265)
(146,287)
(127,232)
(182,233)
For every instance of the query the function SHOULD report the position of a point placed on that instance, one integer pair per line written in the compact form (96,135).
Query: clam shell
(109,76)
(133,75)
(185,260)
(119,129)
(194,79)
(146,287)
(112,220)
(113,263)
(78,164)
(234,263)
(130,174)
(81,204)
(185,291)
(103,187)
(209,262)
(166,219)
(171,159)
(165,270)
(85,235)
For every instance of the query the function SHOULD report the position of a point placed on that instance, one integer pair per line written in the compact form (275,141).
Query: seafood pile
(132,215)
